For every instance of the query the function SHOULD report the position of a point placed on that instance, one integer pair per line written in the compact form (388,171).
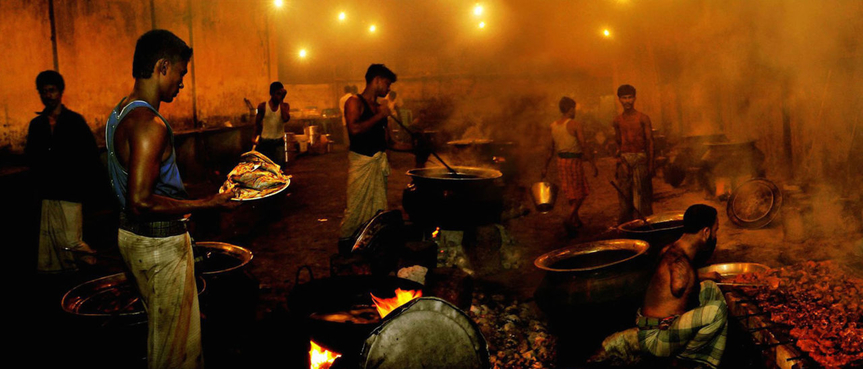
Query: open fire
(320,357)
(385,306)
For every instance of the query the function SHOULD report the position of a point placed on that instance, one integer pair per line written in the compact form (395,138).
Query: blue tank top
(168,184)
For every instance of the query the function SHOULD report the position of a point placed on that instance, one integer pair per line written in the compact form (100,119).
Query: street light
(303,53)
(342,17)
(477,10)
(278,3)
(606,33)
(372,28)
(481,24)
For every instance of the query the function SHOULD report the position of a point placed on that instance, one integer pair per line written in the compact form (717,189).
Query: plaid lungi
(573,182)
(697,335)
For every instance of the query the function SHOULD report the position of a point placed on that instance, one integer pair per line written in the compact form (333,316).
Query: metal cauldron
(590,282)
(658,230)
(468,198)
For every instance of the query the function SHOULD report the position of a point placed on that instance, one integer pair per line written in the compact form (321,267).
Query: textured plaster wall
(95,44)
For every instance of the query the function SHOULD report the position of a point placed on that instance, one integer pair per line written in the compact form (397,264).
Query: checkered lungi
(697,335)
(573,182)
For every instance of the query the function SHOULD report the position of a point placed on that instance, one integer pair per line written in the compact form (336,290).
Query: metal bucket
(544,195)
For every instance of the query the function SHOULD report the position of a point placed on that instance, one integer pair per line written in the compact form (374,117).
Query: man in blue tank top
(152,238)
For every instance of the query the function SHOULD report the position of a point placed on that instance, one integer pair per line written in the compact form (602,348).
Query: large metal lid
(754,204)
(427,333)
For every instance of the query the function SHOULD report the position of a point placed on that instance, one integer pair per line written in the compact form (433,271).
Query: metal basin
(213,258)
(728,270)
(109,296)
(658,230)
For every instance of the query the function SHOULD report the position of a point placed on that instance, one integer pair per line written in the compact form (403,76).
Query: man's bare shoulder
(144,121)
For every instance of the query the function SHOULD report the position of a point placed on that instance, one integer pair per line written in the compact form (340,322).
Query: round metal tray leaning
(426,333)
(754,204)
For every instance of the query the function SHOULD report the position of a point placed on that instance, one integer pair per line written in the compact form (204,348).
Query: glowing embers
(385,306)
(321,358)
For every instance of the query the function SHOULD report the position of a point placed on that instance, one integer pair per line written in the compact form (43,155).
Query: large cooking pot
(316,300)
(454,201)
(658,230)
(588,283)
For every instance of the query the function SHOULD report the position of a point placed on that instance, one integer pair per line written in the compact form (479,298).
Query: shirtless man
(684,314)
(152,238)
(635,163)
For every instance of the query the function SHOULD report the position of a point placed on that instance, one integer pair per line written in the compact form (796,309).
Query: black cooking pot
(470,197)
(318,297)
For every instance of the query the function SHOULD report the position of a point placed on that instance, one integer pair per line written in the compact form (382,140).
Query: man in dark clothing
(368,169)
(64,160)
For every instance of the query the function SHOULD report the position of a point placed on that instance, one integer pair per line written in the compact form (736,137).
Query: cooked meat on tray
(254,177)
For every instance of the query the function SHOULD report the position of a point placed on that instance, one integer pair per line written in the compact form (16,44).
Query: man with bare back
(684,315)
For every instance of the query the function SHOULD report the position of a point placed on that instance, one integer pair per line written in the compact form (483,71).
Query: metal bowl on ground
(658,230)
(213,258)
(728,270)
(110,296)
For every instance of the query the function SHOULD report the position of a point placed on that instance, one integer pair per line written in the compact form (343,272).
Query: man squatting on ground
(61,146)
(568,145)
(635,163)
(370,137)
(152,238)
(270,124)
(684,314)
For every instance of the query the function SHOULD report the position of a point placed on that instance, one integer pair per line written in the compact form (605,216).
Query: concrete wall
(233,53)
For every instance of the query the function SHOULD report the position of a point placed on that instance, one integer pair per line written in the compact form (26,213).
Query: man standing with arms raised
(635,165)
(366,122)
(153,239)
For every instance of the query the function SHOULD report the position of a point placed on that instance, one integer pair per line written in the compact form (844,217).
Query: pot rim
(486,173)
(544,261)
(666,216)
(243,254)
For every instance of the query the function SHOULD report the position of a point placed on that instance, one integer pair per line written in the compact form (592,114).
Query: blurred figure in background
(270,124)
(568,145)
(64,159)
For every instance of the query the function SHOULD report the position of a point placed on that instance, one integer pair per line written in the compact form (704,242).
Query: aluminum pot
(584,282)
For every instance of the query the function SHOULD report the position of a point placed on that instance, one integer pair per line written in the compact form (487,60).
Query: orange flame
(436,232)
(385,306)
(320,357)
